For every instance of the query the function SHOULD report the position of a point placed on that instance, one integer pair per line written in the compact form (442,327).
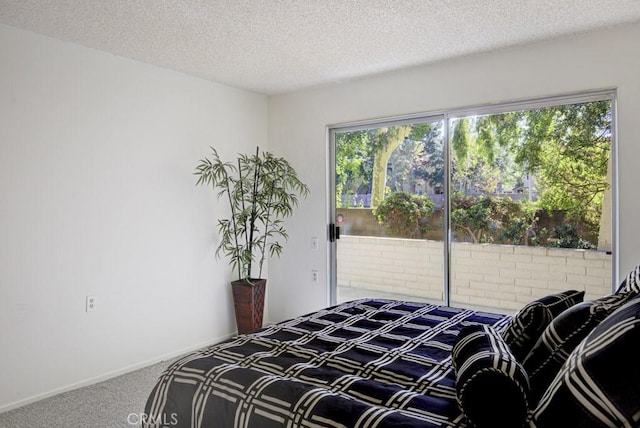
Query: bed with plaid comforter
(367,363)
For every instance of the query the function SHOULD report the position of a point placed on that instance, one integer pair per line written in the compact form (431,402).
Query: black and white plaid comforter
(367,363)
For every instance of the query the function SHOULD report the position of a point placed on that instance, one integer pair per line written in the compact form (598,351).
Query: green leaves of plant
(261,191)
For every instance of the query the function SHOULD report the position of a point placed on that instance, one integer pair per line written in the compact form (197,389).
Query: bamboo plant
(261,190)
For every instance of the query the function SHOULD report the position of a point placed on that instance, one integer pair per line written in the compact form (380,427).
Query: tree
(475,169)
(429,164)
(354,167)
(418,160)
(572,165)
(387,140)
(497,131)
(565,147)
(402,166)
(460,141)
(362,159)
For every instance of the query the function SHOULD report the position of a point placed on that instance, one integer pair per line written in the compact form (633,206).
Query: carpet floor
(115,403)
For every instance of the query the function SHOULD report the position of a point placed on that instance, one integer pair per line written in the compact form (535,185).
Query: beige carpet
(115,403)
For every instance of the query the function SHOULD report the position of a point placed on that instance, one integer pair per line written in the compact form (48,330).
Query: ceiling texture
(278,46)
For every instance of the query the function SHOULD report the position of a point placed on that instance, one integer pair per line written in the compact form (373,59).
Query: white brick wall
(486,275)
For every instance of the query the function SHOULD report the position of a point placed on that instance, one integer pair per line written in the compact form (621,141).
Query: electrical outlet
(314,276)
(90,303)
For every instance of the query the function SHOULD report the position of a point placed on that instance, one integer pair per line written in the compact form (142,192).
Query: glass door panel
(530,205)
(389,199)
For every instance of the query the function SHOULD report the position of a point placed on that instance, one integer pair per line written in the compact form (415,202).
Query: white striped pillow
(631,283)
(563,335)
(525,328)
(598,384)
(491,385)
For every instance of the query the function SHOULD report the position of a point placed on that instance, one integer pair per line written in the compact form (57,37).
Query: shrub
(568,236)
(487,220)
(405,214)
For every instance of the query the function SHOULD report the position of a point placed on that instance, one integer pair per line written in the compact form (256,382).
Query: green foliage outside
(568,236)
(495,220)
(404,214)
(354,165)
(419,157)
(481,220)
(564,148)
(504,221)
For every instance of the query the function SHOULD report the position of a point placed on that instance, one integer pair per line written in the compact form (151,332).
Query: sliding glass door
(389,198)
(485,208)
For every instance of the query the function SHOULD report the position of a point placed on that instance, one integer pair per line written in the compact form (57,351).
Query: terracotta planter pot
(248,300)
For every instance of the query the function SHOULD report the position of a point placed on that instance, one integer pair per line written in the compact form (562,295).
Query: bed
(365,363)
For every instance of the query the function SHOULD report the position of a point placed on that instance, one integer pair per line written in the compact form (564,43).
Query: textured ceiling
(275,46)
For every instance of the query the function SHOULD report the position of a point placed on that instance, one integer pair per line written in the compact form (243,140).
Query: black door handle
(334,232)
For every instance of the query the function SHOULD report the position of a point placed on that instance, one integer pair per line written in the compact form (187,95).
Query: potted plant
(261,190)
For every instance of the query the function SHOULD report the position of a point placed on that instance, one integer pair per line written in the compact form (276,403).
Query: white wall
(97,197)
(298,121)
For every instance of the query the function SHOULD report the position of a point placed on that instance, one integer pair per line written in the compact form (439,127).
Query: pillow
(527,325)
(598,385)
(631,283)
(559,302)
(491,385)
(562,336)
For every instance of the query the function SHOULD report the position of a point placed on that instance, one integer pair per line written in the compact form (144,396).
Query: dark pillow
(562,336)
(559,302)
(491,385)
(631,284)
(527,325)
(598,385)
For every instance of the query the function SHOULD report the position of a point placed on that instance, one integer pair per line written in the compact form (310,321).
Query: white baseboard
(110,375)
